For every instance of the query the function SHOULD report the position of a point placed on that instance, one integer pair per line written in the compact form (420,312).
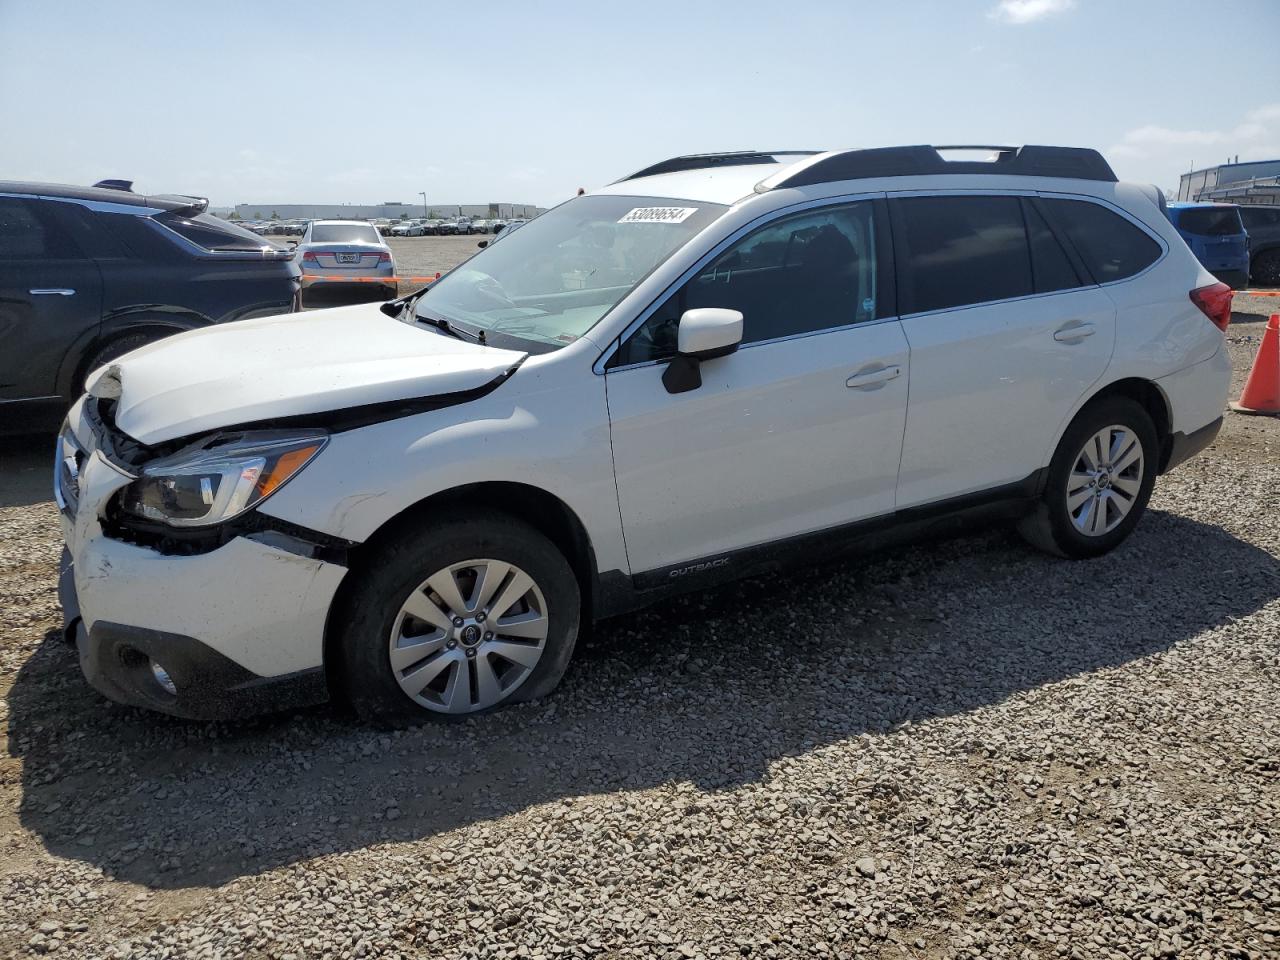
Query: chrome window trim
(598,367)
(98,206)
(762,343)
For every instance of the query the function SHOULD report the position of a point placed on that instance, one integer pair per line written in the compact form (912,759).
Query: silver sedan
(345,252)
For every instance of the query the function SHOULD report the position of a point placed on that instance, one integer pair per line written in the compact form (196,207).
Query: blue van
(1216,235)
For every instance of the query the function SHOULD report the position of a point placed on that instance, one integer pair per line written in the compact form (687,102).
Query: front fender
(553,439)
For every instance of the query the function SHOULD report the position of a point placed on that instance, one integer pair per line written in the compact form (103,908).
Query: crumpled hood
(296,363)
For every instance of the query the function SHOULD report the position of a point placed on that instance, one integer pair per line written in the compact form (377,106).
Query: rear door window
(1111,247)
(954,251)
(1210,221)
(30,232)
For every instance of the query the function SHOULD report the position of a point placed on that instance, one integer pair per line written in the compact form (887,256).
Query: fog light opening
(163,678)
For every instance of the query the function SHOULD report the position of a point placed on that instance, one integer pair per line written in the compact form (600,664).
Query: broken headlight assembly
(219,477)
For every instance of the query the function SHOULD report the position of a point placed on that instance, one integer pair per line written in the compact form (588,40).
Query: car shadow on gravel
(712,689)
(26,469)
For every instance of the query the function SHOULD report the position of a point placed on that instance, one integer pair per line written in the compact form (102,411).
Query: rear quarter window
(1111,247)
(212,233)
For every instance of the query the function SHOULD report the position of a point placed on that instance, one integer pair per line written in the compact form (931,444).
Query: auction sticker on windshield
(659,215)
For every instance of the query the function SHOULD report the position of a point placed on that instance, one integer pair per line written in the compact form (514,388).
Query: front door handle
(870,379)
(1074,332)
(52,291)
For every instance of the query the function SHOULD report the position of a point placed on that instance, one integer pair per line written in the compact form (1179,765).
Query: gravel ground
(958,749)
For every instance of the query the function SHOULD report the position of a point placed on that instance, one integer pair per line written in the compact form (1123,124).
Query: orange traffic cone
(1262,389)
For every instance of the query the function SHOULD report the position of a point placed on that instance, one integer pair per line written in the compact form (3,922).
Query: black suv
(90,273)
(1263,226)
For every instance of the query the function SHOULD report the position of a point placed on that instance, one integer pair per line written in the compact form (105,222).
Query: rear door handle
(52,291)
(1074,332)
(871,379)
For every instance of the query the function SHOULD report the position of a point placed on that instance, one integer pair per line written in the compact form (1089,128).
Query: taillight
(1214,302)
(310,257)
(384,258)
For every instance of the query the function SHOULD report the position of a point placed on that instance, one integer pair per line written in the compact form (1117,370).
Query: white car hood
(296,363)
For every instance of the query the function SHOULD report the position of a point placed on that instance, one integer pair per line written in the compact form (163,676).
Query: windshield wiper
(440,323)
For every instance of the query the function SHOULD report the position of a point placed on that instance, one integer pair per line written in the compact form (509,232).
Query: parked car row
(1235,243)
(434,227)
(275,228)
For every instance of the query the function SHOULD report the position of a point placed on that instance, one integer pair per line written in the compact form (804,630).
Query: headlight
(219,478)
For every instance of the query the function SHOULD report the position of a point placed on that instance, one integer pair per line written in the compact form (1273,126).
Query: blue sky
(322,101)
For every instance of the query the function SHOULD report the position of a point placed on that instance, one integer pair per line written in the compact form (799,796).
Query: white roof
(727,184)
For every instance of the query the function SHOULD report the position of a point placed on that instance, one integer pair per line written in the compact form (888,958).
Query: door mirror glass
(709,332)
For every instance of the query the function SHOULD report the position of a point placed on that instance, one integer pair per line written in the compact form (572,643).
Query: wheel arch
(542,510)
(113,327)
(1148,395)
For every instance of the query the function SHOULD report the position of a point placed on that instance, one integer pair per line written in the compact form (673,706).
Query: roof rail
(699,161)
(1077,163)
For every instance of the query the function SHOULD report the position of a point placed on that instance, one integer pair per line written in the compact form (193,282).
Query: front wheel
(461,617)
(1099,482)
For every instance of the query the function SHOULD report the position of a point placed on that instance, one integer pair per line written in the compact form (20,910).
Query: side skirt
(617,593)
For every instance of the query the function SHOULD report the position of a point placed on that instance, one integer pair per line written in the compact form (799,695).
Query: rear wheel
(1266,268)
(1100,480)
(462,617)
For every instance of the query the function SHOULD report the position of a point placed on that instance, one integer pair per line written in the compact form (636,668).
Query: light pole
(423,195)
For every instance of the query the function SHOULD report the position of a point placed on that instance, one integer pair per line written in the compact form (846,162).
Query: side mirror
(482,244)
(703,334)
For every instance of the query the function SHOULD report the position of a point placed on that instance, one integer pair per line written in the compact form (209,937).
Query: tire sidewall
(402,566)
(1114,410)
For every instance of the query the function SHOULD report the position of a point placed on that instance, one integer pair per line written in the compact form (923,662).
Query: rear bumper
(1184,446)
(117,658)
(384,272)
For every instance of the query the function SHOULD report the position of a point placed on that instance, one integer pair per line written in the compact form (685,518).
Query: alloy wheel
(1105,480)
(468,636)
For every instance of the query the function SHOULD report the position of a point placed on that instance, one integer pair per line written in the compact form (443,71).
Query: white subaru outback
(709,368)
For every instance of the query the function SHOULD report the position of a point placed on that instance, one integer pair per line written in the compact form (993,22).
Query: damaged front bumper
(233,629)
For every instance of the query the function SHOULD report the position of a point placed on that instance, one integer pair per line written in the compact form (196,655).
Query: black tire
(390,292)
(117,348)
(371,610)
(1266,268)
(1049,526)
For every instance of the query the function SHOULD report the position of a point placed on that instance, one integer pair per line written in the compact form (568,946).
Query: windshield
(343,233)
(552,280)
